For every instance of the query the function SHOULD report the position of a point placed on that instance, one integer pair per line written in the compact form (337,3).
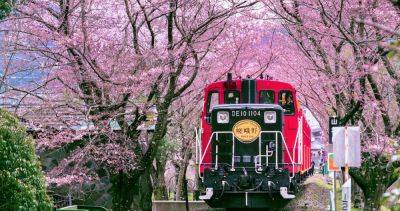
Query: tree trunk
(160,188)
(177,169)
(145,191)
(179,184)
(372,188)
(357,194)
(123,191)
(372,201)
(196,192)
(182,174)
(131,192)
(374,177)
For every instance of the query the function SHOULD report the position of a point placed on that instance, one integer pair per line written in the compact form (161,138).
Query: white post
(346,155)
(197,146)
(216,157)
(346,196)
(233,153)
(276,150)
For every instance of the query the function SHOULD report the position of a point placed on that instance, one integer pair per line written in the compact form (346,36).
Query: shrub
(22,184)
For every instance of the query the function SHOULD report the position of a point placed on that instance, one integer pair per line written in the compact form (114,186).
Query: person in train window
(289,105)
(286,101)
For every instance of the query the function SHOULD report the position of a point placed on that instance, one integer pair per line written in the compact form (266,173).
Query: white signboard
(346,146)
(346,195)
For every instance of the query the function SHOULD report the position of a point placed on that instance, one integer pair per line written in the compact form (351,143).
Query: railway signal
(333,122)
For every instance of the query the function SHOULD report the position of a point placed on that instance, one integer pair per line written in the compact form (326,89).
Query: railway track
(313,195)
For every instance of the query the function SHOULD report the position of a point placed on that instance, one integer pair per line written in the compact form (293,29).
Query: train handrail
(292,161)
(299,141)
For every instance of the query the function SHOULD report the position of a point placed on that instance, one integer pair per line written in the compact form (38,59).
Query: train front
(246,145)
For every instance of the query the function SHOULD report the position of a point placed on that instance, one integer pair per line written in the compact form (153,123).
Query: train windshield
(286,101)
(212,100)
(267,97)
(232,97)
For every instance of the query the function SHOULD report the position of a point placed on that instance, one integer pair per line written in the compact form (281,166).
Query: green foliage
(375,175)
(165,148)
(394,50)
(22,182)
(5,8)
(392,195)
(396,3)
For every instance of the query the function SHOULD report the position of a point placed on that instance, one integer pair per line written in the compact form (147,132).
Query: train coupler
(285,194)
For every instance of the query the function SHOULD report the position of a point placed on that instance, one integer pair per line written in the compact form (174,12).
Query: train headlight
(270,117)
(223,117)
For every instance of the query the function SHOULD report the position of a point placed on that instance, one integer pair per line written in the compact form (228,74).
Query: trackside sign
(346,146)
(331,163)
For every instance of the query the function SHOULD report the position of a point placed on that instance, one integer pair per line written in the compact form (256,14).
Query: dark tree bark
(146,191)
(160,188)
(123,191)
(180,187)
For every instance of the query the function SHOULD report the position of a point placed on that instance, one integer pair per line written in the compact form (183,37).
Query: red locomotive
(255,144)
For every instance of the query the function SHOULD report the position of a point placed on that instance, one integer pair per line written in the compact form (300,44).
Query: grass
(338,195)
(171,196)
(319,182)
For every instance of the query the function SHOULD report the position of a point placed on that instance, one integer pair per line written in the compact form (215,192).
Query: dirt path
(313,196)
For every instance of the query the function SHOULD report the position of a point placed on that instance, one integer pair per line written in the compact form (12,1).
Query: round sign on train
(246,130)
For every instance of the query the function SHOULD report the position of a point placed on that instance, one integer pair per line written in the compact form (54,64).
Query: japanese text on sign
(246,130)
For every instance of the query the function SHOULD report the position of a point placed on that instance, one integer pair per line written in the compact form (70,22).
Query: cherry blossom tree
(341,68)
(100,66)
(108,62)
(242,50)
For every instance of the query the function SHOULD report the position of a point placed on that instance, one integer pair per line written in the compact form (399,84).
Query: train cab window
(232,97)
(212,100)
(267,97)
(286,101)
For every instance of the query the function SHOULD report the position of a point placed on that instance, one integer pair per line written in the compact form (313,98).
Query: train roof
(272,83)
(243,105)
